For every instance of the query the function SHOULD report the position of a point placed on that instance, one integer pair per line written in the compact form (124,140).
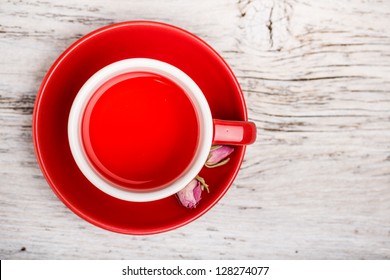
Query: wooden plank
(316,184)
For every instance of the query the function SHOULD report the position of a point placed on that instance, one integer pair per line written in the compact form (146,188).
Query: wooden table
(316,77)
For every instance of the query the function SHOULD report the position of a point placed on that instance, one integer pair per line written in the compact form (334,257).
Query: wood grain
(316,184)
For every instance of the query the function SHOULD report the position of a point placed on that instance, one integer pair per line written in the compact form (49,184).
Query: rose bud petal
(218,156)
(192,193)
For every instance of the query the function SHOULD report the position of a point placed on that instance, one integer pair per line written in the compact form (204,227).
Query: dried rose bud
(218,156)
(192,193)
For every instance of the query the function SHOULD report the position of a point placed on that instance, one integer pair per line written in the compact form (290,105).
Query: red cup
(141,129)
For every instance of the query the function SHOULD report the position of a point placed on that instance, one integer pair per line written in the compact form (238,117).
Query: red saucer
(80,61)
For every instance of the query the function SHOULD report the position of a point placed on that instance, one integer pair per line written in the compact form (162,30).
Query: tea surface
(140,130)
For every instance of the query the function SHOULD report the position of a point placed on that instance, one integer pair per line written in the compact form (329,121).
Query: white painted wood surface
(316,185)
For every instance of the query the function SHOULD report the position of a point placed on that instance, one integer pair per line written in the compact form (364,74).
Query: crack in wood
(304,79)
(242,7)
(269,26)
(24,104)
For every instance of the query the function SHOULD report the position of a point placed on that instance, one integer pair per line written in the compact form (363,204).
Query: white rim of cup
(140,65)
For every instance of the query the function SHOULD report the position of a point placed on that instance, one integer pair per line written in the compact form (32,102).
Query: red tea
(140,130)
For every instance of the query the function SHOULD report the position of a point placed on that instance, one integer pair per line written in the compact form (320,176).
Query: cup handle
(233,132)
